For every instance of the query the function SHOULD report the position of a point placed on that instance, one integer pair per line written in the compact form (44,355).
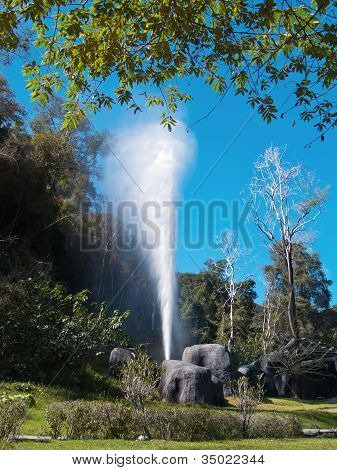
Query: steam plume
(146,168)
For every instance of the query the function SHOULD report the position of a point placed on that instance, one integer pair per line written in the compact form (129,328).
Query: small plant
(248,397)
(139,379)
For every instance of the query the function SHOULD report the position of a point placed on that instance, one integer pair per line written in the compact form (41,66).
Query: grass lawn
(244,444)
(313,414)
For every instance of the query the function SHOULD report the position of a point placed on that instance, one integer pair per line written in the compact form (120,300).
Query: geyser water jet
(145,168)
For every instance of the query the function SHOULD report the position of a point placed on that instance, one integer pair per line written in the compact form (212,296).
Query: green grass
(244,444)
(313,414)
(35,423)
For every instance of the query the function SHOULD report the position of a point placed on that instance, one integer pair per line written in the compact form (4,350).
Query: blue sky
(228,142)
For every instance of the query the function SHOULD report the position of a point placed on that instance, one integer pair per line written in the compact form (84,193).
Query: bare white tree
(285,201)
(229,269)
(272,313)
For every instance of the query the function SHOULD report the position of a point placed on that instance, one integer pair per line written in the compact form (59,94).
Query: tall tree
(285,202)
(140,47)
(44,176)
(312,290)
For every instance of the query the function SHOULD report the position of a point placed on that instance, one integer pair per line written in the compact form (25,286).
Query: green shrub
(12,415)
(89,420)
(191,424)
(273,425)
(56,417)
(107,420)
(103,420)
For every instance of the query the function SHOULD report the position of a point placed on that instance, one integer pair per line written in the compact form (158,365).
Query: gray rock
(219,391)
(321,383)
(215,357)
(250,370)
(118,357)
(332,400)
(253,371)
(189,383)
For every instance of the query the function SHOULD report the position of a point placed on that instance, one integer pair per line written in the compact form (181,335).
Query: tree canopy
(105,52)
(204,308)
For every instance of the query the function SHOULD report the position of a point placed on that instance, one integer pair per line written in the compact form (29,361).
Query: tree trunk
(292,313)
(231,337)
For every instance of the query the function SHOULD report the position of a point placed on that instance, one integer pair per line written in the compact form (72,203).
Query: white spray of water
(146,168)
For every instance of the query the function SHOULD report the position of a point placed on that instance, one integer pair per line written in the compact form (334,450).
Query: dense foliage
(202,303)
(142,47)
(46,333)
(48,323)
(44,176)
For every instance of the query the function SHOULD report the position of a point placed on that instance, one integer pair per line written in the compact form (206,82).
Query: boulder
(189,383)
(250,370)
(118,357)
(219,391)
(215,357)
(254,370)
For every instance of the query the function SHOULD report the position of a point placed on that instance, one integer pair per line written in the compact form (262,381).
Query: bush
(12,415)
(191,424)
(107,420)
(7,445)
(89,420)
(274,425)
(56,417)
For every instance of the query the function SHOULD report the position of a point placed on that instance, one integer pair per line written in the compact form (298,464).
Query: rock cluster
(318,377)
(200,377)
(205,370)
